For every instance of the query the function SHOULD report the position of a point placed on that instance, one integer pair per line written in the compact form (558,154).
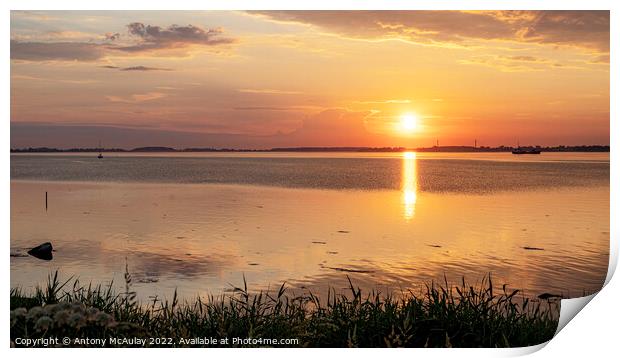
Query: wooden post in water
(46,201)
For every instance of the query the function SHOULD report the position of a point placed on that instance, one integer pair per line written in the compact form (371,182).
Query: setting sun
(409,123)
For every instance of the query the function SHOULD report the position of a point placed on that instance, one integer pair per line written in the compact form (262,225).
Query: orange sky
(318,78)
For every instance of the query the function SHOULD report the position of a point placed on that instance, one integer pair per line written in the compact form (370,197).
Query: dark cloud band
(145,38)
(587,29)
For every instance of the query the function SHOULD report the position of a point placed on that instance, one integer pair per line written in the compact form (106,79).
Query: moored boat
(526,151)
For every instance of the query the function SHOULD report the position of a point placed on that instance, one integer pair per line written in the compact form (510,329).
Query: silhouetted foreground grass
(443,316)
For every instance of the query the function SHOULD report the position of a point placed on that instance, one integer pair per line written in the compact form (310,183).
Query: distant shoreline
(444,149)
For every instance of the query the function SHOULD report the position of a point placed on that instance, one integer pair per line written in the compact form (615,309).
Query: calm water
(200,222)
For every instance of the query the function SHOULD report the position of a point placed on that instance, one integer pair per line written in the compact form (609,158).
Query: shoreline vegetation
(444,149)
(440,316)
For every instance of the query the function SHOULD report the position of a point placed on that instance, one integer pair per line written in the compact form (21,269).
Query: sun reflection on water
(409,184)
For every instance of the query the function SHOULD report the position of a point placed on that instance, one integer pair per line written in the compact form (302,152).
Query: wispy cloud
(142,38)
(268,108)
(602,59)
(525,58)
(136,68)
(56,51)
(59,80)
(585,29)
(57,36)
(387,101)
(158,38)
(137,98)
(112,36)
(33,15)
(519,63)
(501,64)
(145,68)
(266,91)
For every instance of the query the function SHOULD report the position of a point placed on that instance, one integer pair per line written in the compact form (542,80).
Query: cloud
(112,36)
(144,68)
(589,29)
(142,38)
(32,15)
(137,98)
(136,68)
(158,38)
(506,64)
(586,29)
(267,108)
(519,63)
(60,80)
(387,101)
(58,36)
(56,51)
(266,91)
(525,58)
(332,127)
(602,59)
(84,135)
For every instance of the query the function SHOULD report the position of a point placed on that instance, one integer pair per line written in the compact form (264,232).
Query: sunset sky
(318,78)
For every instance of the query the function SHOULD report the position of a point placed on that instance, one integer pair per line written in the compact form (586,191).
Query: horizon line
(463,148)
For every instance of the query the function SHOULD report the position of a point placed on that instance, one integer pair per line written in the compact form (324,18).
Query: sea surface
(201,223)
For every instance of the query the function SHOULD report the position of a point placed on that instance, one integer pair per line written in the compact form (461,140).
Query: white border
(593,331)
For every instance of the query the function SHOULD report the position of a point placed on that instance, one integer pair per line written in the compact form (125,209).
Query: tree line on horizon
(561,148)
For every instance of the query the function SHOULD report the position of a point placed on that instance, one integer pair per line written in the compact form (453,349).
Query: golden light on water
(409,184)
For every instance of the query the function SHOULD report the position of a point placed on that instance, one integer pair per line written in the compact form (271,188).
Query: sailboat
(100,156)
